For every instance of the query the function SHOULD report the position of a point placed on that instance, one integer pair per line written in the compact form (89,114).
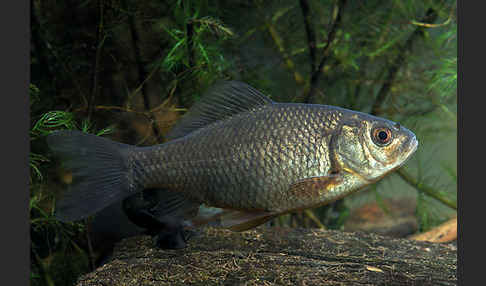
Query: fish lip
(414,142)
(414,148)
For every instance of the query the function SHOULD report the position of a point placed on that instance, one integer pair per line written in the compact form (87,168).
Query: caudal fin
(100,169)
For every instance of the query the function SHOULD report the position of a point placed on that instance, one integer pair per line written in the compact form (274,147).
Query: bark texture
(279,256)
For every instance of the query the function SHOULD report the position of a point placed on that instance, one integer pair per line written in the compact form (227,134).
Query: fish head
(371,147)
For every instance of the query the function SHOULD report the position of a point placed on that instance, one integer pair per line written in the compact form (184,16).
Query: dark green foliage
(135,65)
(195,39)
(56,257)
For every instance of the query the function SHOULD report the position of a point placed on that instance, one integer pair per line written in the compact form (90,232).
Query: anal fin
(235,220)
(244,220)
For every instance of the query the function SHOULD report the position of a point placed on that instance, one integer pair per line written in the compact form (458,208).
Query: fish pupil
(382,135)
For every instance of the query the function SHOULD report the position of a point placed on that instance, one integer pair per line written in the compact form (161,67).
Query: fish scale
(237,150)
(292,145)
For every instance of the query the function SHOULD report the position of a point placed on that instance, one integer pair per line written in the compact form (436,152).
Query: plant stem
(190,43)
(430,17)
(90,246)
(279,43)
(141,71)
(310,214)
(330,37)
(428,190)
(99,51)
(311,35)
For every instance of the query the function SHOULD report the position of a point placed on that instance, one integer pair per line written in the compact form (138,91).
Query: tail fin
(101,174)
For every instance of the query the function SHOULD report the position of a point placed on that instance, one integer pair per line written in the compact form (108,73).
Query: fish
(238,151)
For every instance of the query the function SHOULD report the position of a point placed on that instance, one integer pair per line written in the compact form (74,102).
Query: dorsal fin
(223,100)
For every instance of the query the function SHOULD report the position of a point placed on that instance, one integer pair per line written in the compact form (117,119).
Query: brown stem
(311,36)
(124,109)
(99,51)
(330,37)
(90,245)
(312,216)
(269,24)
(190,43)
(141,71)
(42,269)
(361,77)
(426,189)
(281,48)
(430,17)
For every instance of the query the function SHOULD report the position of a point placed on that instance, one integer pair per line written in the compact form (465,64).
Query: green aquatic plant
(113,62)
(53,243)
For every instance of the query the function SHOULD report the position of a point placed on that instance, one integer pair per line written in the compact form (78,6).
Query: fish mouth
(411,146)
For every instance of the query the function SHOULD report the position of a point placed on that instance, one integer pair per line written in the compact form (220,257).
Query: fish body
(238,150)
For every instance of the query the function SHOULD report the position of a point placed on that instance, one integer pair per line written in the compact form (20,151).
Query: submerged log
(443,233)
(279,256)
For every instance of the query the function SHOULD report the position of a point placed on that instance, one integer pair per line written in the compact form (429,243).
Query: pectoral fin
(311,190)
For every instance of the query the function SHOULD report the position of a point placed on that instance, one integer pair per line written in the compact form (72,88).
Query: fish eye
(382,136)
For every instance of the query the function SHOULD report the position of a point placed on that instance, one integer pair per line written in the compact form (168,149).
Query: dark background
(135,67)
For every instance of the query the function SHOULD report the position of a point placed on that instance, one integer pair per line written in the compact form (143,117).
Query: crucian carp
(239,151)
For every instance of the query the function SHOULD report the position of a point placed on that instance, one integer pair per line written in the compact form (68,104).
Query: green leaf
(53,120)
(34,162)
(386,46)
(173,32)
(170,61)
(203,52)
(105,131)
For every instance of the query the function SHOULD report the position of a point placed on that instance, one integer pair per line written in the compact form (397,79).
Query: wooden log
(279,256)
(443,233)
